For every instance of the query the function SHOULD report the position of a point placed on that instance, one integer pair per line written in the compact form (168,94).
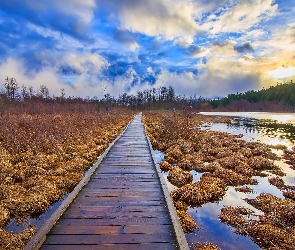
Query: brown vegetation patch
(278,172)
(273,230)
(187,222)
(244,189)
(233,216)
(189,161)
(260,163)
(4,216)
(11,241)
(269,236)
(277,181)
(208,189)
(173,154)
(202,167)
(165,166)
(179,177)
(289,195)
(204,246)
(180,205)
(232,178)
(278,212)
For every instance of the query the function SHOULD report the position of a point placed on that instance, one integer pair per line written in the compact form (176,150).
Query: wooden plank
(94,200)
(102,230)
(131,176)
(119,192)
(138,189)
(123,177)
(126,170)
(91,212)
(120,184)
(147,195)
(125,209)
(150,197)
(109,239)
(115,222)
(140,246)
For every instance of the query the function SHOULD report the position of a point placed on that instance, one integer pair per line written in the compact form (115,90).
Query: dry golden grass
(204,246)
(165,166)
(277,181)
(187,222)
(233,216)
(179,177)
(208,189)
(244,189)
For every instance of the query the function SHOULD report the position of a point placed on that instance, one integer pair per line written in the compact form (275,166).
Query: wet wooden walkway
(124,205)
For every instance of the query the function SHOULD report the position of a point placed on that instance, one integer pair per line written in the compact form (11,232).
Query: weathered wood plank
(140,246)
(109,239)
(92,213)
(120,184)
(94,200)
(127,170)
(150,197)
(127,176)
(103,230)
(115,221)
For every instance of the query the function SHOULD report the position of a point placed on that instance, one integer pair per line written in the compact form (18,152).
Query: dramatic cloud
(241,16)
(70,17)
(126,38)
(245,48)
(169,18)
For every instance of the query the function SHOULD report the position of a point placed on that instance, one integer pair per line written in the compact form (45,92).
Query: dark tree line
(280,94)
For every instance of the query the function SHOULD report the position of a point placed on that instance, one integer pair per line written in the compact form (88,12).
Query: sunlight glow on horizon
(281,72)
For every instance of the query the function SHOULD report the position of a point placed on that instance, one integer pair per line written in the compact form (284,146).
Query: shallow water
(255,127)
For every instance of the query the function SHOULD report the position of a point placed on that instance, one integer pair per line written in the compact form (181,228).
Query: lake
(269,128)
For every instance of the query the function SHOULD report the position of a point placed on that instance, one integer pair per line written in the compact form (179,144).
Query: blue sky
(202,47)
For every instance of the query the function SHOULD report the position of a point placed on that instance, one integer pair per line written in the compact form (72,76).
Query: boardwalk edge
(36,242)
(182,242)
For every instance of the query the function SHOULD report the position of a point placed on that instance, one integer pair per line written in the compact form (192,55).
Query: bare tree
(11,87)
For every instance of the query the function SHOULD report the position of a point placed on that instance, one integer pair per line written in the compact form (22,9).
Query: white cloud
(223,49)
(184,41)
(85,63)
(82,10)
(168,18)
(221,76)
(15,68)
(242,16)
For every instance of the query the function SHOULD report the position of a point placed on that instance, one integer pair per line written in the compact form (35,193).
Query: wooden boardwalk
(124,205)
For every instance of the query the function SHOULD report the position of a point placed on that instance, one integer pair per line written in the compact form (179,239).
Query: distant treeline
(276,98)
(154,98)
(281,96)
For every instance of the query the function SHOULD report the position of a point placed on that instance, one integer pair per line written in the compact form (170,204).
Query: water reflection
(268,127)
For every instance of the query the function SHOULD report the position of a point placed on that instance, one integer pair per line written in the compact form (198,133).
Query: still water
(269,128)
